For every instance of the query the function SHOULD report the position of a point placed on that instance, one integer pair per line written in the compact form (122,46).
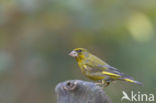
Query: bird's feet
(103,83)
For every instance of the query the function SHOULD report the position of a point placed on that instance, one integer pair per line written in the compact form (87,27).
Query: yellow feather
(111,74)
(129,80)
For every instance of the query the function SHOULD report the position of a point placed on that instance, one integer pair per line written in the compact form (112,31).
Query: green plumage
(98,70)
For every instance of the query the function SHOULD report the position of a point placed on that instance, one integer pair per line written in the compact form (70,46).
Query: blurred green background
(37,35)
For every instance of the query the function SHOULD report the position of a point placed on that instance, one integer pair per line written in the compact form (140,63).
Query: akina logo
(137,97)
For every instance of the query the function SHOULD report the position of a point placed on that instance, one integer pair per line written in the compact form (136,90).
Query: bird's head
(79,53)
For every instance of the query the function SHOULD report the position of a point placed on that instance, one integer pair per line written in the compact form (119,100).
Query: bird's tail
(130,79)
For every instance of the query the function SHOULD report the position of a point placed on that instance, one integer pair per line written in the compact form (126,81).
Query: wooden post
(78,91)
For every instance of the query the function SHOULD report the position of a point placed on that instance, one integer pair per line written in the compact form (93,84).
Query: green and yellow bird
(98,70)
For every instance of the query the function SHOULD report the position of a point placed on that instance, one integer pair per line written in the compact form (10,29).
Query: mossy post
(78,91)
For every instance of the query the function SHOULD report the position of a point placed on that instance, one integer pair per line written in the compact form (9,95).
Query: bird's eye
(79,51)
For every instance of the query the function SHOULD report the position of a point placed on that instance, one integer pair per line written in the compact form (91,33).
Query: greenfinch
(97,70)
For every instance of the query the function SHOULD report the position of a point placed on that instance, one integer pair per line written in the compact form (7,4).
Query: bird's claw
(103,83)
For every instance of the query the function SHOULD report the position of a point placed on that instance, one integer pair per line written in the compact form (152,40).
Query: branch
(77,91)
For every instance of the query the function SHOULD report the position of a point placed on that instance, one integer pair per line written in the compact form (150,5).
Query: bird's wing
(115,71)
(100,71)
(105,69)
(100,64)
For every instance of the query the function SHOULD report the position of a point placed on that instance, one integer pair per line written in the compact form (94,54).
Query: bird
(97,70)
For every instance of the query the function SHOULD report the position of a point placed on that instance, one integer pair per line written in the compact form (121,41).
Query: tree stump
(78,91)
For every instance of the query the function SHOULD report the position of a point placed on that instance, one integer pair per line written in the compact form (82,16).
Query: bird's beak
(73,53)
